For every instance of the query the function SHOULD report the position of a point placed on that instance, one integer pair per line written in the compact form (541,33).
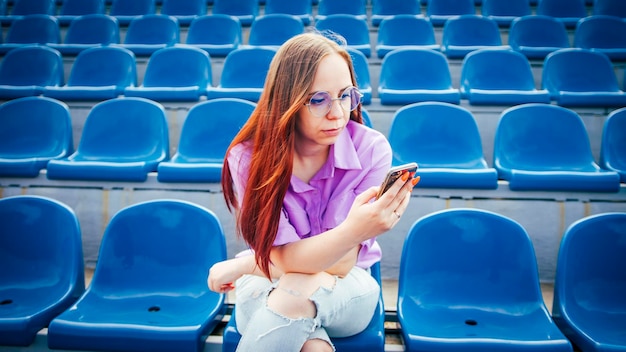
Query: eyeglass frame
(332,100)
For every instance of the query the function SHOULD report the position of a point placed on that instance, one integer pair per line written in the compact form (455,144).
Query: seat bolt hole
(471,322)
(154,309)
(5,302)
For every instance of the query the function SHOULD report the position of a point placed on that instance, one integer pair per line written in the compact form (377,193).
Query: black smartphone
(394,174)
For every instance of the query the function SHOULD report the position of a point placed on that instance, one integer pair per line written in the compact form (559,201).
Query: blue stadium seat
(603,33)
(216,34)
(98,73)
(537,36)
(243,74)
(332,7)
(361,70)
(372,339)
(244,10)
(367,120)
(439,11)
(149,291)
(504,12)
(466,33)
(149,33)
(444,140)
(353,29)
(613,144)
(609,7)
(401,31)
(185,11)
(20,8)
(566,11)
(581,77)
(546,147)
(177,73)
(127,10)
(468,282)
(89,31)
(302,9)
(33,130)
(208,129)
(416,75)
(31,29)
(70,9)
(590,283)
(387,8)
(499,77)
(26,70)
(123,139)
(274,29)
(42,256)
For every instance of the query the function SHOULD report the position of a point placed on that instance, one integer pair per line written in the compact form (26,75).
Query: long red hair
(271,128)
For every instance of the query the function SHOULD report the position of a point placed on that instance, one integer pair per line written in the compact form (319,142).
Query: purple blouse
(358,160)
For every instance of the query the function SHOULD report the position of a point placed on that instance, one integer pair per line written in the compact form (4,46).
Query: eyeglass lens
(321,102)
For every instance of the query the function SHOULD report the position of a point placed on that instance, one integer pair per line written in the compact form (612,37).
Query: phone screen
(393,174)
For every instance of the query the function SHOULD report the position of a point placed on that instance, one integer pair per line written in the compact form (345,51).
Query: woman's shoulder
(240,152)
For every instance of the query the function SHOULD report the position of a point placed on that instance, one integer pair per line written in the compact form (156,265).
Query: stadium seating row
(438,11)
(570,77)
(461,283)
(537,146)
(533,35)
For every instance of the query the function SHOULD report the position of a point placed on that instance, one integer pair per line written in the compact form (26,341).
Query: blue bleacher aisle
(544,214)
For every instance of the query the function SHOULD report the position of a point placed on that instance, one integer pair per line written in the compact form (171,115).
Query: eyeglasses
(321,102)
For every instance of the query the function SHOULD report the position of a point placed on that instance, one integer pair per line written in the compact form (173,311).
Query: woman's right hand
(222,275)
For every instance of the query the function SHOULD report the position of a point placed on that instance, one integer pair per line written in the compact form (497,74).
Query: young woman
(302,177)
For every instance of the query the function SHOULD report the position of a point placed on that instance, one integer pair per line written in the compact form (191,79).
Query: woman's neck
(307,162)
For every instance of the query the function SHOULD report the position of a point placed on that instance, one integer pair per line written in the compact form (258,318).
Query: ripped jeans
(342,311)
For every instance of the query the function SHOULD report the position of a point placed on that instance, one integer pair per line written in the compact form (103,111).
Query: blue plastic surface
(387,8)
(71,9)
(149,33)
(330,7)
(209,128)
(41,255)
(504,12)
(274,29)
(176,73)
(127,10)
(26,70)
(466,33)
(499,77)
(31,29)
(609,7)
(603,33)
(353,29)
(123,139)
(33,131)
(243,74)
(217,34)
(361,70)
(546,147)
(590,283)
(566,11)
(89,31)
(537,36)
(581,77)
(414,75)
(303,9)
(149,291)
(98,73)
(372,339)
(440,11)
(245,10)
(468,282)
(613,145)
(22,8)
(401,31)
(185,11)
(443,139)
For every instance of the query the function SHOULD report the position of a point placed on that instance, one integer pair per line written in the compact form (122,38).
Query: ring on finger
(397,214)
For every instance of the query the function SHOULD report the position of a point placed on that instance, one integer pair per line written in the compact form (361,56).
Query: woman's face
(332,76)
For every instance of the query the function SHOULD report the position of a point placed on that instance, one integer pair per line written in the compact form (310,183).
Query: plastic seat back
(331,7)
(536,36)
(126,10)
(33,29)
(504,12)
(30,66)
(33,7)
(602,33)
(303,9)
(361,70)
(439,11)
(613,145)
(387,8)
(590,283)
(184,10)
(566,11)
(353,29)
(216,34)
(274,29)
(403,31)
(148,291)
(33,130)
(609,7)
(244,10)
(97,29)
(468,281)
(42,256)
(246,68)
(70,9)
(153,29)
(466,33)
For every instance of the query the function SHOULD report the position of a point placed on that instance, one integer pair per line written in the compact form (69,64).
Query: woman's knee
(316,345)
(291,296)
